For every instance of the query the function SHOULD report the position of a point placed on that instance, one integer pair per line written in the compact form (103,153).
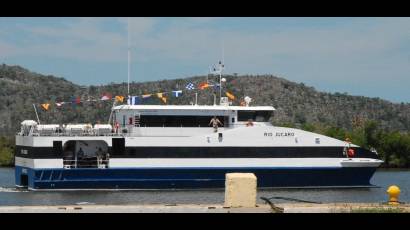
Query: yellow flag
(119,98)
(230,96)
(159,95)
(164,99)
(45,106)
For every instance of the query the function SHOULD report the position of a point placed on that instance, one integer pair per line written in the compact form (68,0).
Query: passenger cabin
(143,121)
(128,118)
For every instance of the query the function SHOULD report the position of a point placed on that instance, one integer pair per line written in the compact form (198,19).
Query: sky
(359,56)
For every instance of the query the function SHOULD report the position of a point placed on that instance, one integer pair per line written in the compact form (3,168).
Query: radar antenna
(218,70)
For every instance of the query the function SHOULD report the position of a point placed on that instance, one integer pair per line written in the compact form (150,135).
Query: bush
(6,151)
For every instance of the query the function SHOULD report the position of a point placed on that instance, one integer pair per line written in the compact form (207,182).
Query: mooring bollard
(240,190)
(394,192)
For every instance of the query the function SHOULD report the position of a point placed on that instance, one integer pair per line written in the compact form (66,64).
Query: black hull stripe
(210,152)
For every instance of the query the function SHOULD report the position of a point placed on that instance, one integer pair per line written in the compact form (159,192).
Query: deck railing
(81,163)
(128,130)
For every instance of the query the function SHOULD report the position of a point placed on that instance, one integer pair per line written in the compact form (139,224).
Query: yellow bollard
(394,192)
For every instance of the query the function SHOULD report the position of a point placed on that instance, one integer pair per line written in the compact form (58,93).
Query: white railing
(131,130)
(71,132)
(99,163)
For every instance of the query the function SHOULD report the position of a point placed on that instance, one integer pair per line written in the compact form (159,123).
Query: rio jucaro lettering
(279,134)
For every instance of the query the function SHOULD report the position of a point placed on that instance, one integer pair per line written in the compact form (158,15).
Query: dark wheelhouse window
(258,116)
(178,121)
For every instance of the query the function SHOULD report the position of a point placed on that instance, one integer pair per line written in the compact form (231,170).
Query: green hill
(295,103)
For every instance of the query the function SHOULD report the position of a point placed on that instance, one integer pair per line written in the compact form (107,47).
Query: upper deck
(175,108)
(141,120)
(188,115)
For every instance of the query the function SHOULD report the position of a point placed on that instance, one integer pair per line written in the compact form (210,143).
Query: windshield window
(258,116)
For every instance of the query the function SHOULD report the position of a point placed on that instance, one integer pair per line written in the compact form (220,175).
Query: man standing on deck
(215,121)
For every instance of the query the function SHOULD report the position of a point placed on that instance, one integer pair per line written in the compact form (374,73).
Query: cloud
(188,38)
(82,39)
(138,26)
(6,49)
(357,50)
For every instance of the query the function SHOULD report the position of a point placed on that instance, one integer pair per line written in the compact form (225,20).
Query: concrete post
(240,190)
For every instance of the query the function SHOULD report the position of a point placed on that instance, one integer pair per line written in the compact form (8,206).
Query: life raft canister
(350,152)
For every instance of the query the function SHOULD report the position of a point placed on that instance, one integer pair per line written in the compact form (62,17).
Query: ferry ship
(174,147)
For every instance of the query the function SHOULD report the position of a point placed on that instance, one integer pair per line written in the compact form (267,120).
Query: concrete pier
(154,208)
(210,208)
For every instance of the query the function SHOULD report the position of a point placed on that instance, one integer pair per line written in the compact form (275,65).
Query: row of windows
(179,121)
(193,121)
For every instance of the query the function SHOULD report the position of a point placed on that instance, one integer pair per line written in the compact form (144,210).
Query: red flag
(106,96)
(203,85)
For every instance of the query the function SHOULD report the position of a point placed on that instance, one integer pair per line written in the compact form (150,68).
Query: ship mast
(222,65)
(218,71)
(129,55)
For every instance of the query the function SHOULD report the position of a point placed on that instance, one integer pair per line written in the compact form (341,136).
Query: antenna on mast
(129,54)
(218,70)
(223,52)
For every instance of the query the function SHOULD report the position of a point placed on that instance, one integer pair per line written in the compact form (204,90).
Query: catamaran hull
(189,178)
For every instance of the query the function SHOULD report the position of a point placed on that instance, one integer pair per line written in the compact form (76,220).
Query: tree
(336,132)
(6,151)
(372,134)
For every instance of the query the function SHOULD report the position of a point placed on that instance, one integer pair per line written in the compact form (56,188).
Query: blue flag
(190,86)
(177,93)
(134,100)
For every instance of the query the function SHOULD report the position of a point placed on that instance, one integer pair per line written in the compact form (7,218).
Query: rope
(290,199)
(273,207)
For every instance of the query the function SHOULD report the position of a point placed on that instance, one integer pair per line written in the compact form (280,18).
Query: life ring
(350,152)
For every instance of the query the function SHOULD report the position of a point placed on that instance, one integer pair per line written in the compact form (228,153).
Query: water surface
(382,178)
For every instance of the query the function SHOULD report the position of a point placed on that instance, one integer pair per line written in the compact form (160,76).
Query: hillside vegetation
(297,105)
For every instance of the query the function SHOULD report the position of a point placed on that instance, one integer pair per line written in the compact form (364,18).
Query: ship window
(258,116)
(57,147)
(178,121)
(118,146)
(317,140)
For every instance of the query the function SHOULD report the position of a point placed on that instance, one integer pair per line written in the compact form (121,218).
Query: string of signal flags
(136,100)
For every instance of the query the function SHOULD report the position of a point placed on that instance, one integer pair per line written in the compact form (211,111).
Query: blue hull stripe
(189,178)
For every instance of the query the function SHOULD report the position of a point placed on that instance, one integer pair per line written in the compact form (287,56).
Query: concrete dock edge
(209,208)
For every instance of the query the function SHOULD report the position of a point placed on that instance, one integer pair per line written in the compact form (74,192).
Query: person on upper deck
(214,122)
